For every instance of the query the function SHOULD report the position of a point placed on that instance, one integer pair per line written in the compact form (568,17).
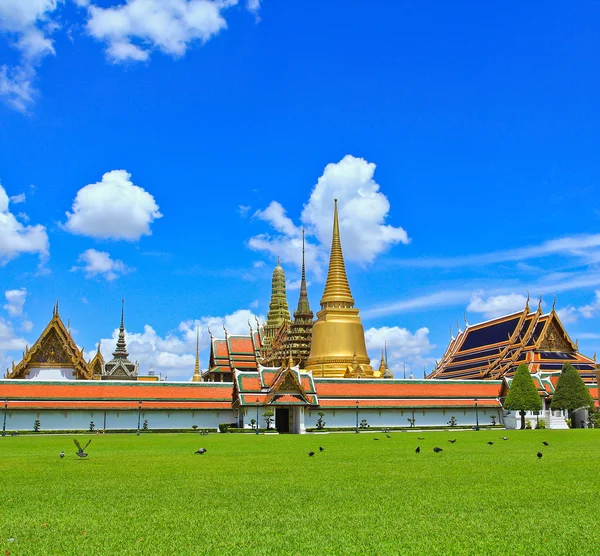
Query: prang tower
(338,346)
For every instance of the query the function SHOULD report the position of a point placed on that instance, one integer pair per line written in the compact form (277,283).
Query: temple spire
(337,288)
(197,377)
(303,304)
(121,351)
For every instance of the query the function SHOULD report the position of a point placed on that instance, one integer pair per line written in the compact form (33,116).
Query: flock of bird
(80,453)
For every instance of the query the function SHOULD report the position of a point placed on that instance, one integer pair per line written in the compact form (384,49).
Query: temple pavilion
(298,370)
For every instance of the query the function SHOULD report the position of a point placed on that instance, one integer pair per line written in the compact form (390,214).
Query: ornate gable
(554,337)
(54,348)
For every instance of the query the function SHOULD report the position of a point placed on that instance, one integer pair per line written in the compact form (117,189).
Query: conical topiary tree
(571,393)
(523,395)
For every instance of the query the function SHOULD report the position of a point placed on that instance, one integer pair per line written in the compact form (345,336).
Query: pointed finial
(594,358)
(424,372)
(122,312)
(385,350)
(209,332)
(465,318)
(337,289)
(458,326)
(290,360)
(197,362)
(451,334)
(404,364)
(69,326)
(99,344)
(577,344)
(540,302)
(554,303)
(250,327)
(226,333)
(278,263)
(527,303)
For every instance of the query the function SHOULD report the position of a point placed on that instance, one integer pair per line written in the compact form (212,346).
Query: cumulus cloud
(403,347)
(567,314)
(113,208)
(133,30)
(29,26)
(174,354)
(99,263)
(16,238)
(15,300)
(20,198)
(9,342)
(592,309)
(363,210)
(497,305)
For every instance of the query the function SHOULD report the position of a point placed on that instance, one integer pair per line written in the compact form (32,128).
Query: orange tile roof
(105,390)
(115,404)
(406,389)
(241,345)
(411,403)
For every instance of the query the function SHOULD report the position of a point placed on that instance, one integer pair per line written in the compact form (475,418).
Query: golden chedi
(338,346)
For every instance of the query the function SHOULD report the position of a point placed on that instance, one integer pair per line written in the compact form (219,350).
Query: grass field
(152,495)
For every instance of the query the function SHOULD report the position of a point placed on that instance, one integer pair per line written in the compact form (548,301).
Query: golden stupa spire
(338,346)
(337,288)
(197,377)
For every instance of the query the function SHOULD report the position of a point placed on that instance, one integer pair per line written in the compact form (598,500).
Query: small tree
(194,427)
(92,426)
(320,423)
(268,415)
(145,425)
(411,421)
(36,425)
(253,423)
(523,395)
(453,422)
(493,418)
(364,424)
(571,393)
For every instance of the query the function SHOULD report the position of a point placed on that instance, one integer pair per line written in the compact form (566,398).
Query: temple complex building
(292,338)
(233,352)
(278,317)
(495,348)
(120,367)
(338,347)
(55,356)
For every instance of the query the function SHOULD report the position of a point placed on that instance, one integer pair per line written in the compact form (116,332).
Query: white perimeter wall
(80,420)
(399,418)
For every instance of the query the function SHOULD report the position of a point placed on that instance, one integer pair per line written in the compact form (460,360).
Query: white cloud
(582,246)
(497,305)
(28,25)
(99,263)
(444,298)
(9,342)
(15,300)
(27,325)
(174,354)
(590,310)
(363,209)
(113,208)
(258,264)
(20,198)
(567,314)
(15,238)
(403,347)
(136,28)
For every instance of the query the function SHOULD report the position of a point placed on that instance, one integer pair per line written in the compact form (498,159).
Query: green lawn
(152,495)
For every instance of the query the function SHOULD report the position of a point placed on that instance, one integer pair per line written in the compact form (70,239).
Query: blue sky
(166,152)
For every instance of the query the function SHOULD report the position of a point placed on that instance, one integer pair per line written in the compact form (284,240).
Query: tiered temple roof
(494,349)
(286,386)
(293,339)
(120,367)
(233,352)
(279,313)
(55,348)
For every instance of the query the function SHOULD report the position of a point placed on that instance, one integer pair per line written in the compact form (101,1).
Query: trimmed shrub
(36,425)
(92,426)
(320,423)
(523,395)
(268,415)
(453,422)
(571,393)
